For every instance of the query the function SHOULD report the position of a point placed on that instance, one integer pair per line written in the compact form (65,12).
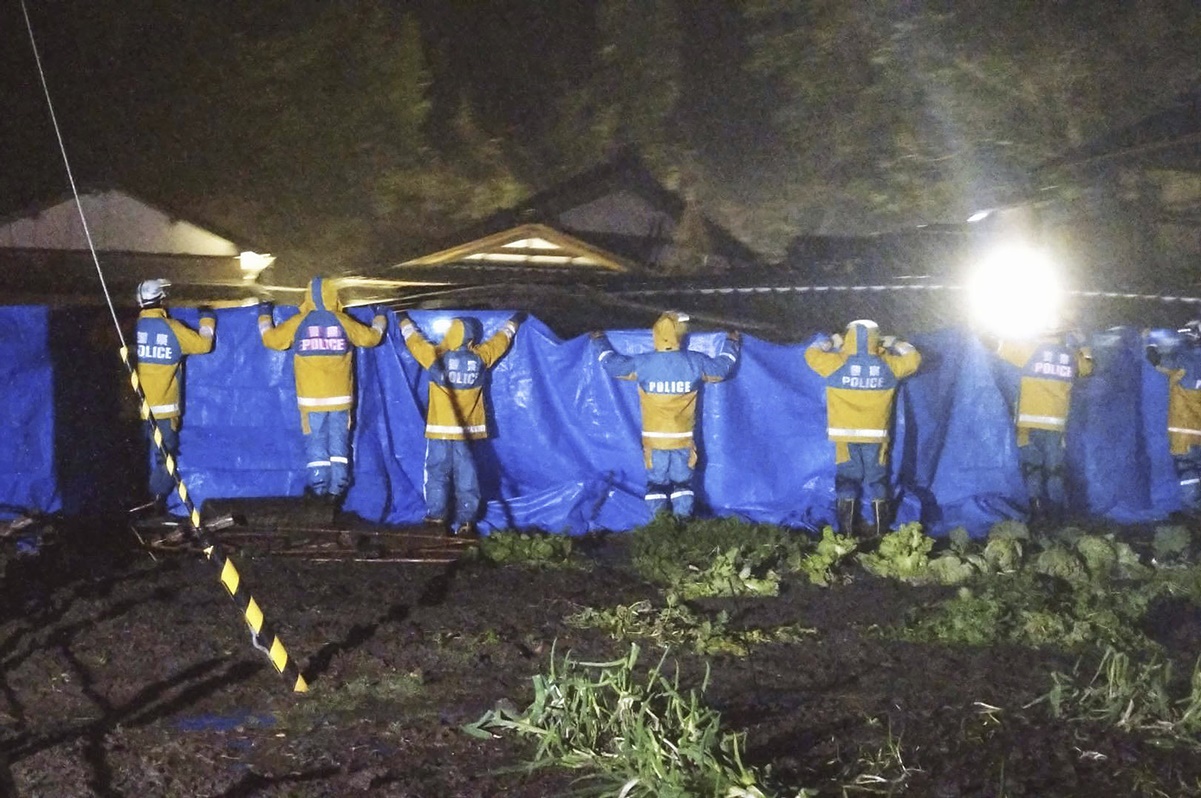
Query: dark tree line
(354,132)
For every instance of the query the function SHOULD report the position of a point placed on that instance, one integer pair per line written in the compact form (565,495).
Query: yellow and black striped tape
(229,575)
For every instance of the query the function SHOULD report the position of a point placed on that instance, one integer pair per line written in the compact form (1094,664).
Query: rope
(228,572)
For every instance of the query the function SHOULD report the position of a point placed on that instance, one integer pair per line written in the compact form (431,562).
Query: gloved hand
(734,337)
(403,318)
(888,341)
(206,312)
(519,317)
(266,308)
(1153,356)
(380,322)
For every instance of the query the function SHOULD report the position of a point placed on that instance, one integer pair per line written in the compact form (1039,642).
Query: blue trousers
(1188,471)
(1043,462)
(161,483)
(450,465)
(863,475)
(327,446)
(669,482)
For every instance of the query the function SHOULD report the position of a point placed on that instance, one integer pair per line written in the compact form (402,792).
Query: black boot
(881,518)
(1038,511)
(846,516)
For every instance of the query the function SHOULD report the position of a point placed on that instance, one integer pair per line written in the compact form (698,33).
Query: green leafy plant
(824,565)
(713,557)
(903,554)
(1030,609)
(634,737)
(678,625)
(525,548)
(1171,543)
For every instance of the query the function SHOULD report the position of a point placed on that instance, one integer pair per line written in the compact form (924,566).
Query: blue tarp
(27,468)
(566,454)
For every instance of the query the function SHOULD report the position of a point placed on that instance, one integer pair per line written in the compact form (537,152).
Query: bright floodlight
(1015,293)
(441,324)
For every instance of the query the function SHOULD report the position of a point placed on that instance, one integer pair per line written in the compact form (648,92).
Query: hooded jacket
(861,385)
(1049,367)
(457,366)
(668,382)
(322,338)
(162,343)
(1182,366)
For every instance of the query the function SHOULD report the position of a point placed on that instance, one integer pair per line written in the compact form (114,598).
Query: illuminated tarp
(566,452)
(27,469)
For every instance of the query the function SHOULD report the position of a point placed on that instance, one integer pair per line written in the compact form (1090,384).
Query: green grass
(677,625)
(631,735)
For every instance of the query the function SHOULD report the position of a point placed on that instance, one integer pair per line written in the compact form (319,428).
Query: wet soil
(123,676)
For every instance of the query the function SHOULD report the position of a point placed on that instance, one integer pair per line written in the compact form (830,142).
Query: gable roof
(117,222)
(620,209)
(45,254)
(525,244)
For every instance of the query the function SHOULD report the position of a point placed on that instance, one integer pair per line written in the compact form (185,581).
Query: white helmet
(152,291)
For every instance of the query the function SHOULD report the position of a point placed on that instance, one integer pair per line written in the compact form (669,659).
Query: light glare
(1015,293)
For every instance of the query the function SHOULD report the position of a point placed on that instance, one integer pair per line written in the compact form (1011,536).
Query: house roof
(618,211)
(45,253)
(525,245)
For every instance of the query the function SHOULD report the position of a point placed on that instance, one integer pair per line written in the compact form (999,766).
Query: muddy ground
(124,676)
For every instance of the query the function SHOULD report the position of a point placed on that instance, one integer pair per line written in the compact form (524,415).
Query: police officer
(1180,360)
(322,338)
(456,415)
(162,344)
(1050,365)
(669,380)
(862,372)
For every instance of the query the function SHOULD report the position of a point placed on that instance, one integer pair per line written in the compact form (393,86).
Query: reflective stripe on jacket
(861,384)
(1049,369)
(457,368)
(1183,369)
(668,382)
(162,343)
(322,338)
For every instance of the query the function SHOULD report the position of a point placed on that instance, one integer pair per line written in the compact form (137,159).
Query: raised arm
(277,337)
(495,347)
(421,349)
(716,369)
(615,364)
(362,335)
(823,356)
(903,358)
(196,342)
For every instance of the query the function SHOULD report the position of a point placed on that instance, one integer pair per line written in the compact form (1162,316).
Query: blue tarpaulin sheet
(27,451)
(566,456)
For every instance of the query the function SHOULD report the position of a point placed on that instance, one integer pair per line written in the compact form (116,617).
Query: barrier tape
(229,576)
(817,289)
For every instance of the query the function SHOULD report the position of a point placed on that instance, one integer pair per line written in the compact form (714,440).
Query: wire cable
(260,629)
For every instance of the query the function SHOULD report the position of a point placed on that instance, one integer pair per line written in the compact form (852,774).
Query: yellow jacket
(861,385)
(457,367)
(1049,369)
(669,381)
(162,343)
(322,338)
(1183,368)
